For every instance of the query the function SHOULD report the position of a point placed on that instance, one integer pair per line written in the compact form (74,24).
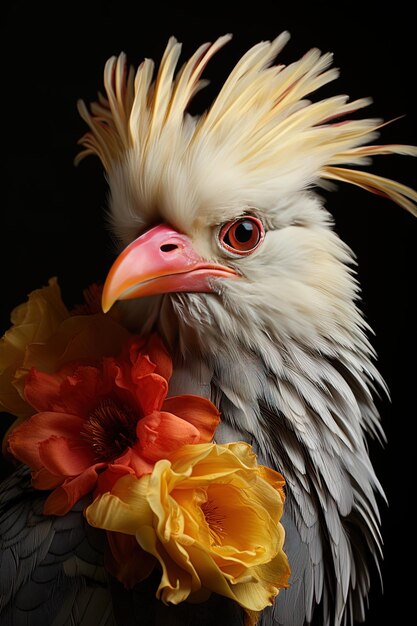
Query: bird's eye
(242,236)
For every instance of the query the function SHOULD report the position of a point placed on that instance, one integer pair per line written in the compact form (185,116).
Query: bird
(228,252)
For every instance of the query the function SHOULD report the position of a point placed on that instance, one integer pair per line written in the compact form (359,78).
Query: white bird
(231,256)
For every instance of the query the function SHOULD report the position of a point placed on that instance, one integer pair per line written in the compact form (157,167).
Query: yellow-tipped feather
(189,78)
(260,122)
(400,194)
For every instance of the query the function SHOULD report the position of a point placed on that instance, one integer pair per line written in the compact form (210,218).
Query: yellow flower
(33,322)
(210,516)
(45,335)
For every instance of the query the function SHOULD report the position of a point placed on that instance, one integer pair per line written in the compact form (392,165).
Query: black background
(52,214)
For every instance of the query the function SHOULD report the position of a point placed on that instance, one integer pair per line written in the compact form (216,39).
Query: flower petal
(73,489)
(151,391)
(78,338)
(109,477)
(133,459)
(42,479)
(124,509)
(80,390)
(142,366)
(118,372)
(161,433)
(197,411)
(34,321)
(277,570)
(5,443)
(24,439)
(209,461)
(42,390)
(210,574)
(254,595)
(252,617)
(65,457)
(210,516)
(158,354)
(131,462)
(176,582)
(275,479)
(248,539)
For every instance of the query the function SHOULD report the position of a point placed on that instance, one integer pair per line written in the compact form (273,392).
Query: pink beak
(159,261)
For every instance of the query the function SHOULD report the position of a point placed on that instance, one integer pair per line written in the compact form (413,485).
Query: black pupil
(244,231)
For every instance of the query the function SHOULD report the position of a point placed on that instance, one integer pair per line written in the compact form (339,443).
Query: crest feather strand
(261,121)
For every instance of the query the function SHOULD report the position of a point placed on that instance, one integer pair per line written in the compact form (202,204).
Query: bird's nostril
(168,247)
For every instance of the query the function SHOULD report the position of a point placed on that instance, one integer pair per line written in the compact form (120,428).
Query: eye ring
(242,236)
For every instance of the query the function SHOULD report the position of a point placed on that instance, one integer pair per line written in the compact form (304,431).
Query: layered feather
(51,568)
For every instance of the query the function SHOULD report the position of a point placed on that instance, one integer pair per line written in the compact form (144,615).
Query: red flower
(99,420)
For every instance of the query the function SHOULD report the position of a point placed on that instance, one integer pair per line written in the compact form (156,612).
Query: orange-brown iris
(242,236)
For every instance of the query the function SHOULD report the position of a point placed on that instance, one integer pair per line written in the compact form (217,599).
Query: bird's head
(220,210)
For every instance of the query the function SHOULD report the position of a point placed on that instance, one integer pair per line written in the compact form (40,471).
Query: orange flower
(100,419)
(211,516)
(45,335)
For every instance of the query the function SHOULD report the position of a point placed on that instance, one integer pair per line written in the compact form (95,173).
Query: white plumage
(282,350)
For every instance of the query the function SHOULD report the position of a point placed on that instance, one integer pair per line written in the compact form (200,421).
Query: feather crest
(261,122)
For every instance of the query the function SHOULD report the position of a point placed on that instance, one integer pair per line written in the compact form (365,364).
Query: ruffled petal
(73,489)
(208,459)
(24,440)
(107,479)
(5,443)
(210,516)
(131,462)
(176,581)
(34,321)
(210,574)
(161,433)
(151,391)
(277,571)
(124,509)
(118,372)
(142,366)
(196,410)
(134,459)
(65,457)
(158,354)
(42,390)
(80,391)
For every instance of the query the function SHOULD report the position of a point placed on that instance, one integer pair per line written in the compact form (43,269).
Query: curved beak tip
(105,306)
(108,297)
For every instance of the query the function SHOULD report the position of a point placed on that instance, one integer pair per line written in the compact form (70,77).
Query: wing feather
(51,568)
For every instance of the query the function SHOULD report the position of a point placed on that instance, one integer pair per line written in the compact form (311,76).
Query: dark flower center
(110,429)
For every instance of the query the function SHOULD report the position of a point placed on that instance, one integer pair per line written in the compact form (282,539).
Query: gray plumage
(51,567)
